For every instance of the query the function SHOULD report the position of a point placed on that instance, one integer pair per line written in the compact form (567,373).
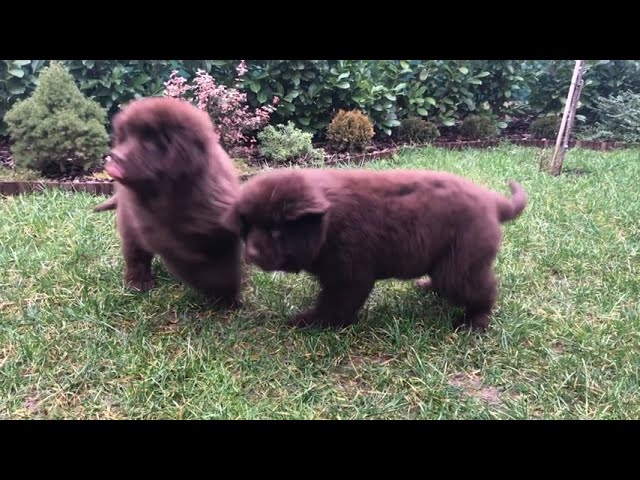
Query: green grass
(565,341)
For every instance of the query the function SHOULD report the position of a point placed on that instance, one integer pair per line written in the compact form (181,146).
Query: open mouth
(114,170)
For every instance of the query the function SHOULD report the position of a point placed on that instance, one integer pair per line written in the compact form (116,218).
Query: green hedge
(443,91)
(110,82)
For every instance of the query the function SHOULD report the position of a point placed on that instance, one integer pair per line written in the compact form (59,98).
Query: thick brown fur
(174,187)
(350,228)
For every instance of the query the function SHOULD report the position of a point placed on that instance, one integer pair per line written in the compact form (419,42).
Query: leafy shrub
(551,86)
(287,143)
(417,130)
(602,78)
(110,82)
(506,85)
(18,80)
(231,115)
(478,127)
(350,130)
(606,78)
(618,118)
(57,129)
(385,90)
(545,127)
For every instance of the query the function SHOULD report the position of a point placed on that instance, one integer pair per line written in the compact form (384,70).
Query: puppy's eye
(146,132)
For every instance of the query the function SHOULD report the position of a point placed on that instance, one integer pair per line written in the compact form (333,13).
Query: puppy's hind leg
(471,285)
(478,296)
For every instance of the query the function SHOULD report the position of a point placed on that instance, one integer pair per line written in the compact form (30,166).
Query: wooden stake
(572,116)
(568,118)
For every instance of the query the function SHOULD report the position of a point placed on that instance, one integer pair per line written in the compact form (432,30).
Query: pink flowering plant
(236,123)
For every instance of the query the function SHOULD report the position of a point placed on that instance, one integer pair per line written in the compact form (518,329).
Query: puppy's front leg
(337,305)
(226,292)
(220,282)
(137,261)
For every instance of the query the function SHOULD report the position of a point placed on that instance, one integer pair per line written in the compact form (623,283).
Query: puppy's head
(283,220)
(159,141)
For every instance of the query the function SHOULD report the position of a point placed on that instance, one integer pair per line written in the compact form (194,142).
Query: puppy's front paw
(304,319)
(141,285)
(424,284)
(231,302)
(311,319)
(478,323)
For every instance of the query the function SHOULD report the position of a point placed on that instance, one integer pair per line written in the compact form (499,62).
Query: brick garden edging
(106,188)
(16,188)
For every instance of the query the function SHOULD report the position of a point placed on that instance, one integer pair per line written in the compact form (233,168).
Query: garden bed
(103,186)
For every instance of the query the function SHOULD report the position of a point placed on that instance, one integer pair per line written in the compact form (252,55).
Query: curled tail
(511,208)
(109,204)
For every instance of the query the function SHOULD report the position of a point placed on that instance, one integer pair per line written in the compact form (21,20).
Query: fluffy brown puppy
(350,228)
(174,186)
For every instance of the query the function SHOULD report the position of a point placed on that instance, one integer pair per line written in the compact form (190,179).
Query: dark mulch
(5,153)
(79,175)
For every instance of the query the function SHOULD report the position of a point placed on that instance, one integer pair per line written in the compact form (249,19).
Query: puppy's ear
(305,232)
(308,211)
(231,220)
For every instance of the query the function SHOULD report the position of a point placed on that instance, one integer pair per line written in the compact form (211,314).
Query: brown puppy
(350,228)
(174,186)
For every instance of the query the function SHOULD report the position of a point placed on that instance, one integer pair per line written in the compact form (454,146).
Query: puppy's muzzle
(252,252)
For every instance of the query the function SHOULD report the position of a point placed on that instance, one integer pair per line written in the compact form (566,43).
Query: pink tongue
(113,170)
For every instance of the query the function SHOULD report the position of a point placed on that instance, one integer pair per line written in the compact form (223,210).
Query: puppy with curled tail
(350,228)
(174,185)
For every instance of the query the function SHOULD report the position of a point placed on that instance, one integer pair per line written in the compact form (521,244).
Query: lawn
(564,343)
